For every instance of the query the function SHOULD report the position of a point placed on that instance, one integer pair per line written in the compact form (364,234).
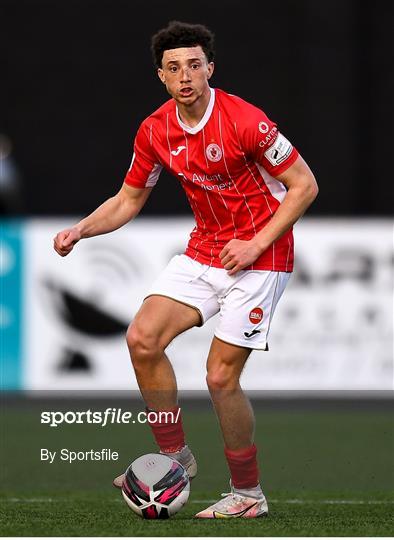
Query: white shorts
(245,302)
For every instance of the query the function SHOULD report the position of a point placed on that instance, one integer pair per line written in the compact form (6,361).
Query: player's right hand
(65,240)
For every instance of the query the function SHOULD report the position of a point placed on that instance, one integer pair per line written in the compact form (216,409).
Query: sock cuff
(243,467)
(242,453)
(167,429)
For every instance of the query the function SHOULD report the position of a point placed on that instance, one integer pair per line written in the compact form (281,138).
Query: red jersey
(226,164)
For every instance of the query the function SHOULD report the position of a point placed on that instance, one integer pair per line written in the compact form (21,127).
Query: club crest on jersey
(256,315)
(213,152)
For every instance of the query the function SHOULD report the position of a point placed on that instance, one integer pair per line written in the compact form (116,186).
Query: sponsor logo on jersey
(256,315)
(279,151)
(178,150)
(209,182)
(213,152)
(263,127)
(208,178)
(270,137)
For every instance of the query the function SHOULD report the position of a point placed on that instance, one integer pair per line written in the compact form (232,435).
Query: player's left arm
(302,190)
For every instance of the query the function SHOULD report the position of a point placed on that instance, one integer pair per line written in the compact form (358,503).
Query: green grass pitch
(326,471)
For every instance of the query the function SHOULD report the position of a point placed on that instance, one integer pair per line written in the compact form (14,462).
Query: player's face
(185,72)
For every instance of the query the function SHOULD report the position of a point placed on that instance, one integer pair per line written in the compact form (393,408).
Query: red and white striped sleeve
(144,170)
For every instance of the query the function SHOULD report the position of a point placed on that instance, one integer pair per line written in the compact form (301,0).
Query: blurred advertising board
(64,320)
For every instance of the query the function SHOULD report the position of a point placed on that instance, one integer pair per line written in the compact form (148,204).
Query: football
(155,486)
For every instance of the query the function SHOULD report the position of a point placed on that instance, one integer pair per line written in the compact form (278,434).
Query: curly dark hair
(179,34)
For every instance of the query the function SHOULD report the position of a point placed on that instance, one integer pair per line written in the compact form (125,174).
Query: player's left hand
(237,254)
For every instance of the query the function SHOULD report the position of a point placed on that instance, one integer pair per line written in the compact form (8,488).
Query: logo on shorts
(252,333)
(256,315)
(214,152)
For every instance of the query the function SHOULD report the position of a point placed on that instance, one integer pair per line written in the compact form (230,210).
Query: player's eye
(173,69)
(195,66)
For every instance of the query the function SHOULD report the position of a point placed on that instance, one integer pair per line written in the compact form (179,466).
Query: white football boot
(183,456)
(249,503)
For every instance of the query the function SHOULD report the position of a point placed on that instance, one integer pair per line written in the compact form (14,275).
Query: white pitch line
(303,501)
(210,501)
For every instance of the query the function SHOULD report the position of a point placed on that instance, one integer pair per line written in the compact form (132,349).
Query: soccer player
(247,185)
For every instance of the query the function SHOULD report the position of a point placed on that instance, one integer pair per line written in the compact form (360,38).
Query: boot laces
(230,499)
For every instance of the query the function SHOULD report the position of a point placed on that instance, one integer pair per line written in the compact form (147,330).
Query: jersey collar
(204,119)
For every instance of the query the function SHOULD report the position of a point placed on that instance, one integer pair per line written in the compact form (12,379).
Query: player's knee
(222,378)
(143,344)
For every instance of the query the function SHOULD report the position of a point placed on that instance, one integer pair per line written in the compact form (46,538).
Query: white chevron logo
(178,150)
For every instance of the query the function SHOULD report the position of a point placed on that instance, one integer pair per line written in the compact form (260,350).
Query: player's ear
(161,75)
(211,68)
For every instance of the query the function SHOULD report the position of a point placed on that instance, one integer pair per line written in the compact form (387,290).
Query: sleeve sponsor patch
(279,151)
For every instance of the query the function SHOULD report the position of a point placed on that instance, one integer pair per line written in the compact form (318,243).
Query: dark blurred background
(77,79)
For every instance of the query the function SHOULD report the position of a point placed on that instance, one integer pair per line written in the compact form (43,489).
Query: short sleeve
(144,170)
(265,144)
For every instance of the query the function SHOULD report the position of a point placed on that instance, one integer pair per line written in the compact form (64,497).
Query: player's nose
(185,74)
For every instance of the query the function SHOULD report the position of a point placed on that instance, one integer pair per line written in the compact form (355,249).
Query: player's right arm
(111,215)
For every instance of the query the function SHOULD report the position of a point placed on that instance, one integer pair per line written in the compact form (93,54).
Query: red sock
(167,430)
(243,467)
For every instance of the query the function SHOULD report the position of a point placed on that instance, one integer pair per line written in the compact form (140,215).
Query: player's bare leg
(157,323)
(224,366)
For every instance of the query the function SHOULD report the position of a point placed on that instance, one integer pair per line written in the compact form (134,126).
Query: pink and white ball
(156,486)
